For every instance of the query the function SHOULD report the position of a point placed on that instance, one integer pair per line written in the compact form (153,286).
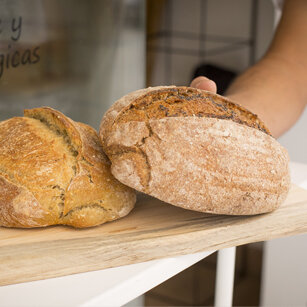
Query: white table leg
(225,277)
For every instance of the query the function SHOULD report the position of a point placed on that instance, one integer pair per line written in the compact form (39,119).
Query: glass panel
(76,56)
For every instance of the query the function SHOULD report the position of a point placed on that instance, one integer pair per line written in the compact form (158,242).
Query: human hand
(204,83)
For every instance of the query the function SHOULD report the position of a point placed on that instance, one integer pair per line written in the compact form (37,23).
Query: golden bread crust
(60,165)
(19,208)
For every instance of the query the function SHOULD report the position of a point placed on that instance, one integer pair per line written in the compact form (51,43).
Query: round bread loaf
(53,171)
(196,150)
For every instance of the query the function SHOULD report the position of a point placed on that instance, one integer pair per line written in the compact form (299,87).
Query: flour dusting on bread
(196,150)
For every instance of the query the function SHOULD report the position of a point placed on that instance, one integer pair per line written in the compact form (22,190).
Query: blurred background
(79,56)
(88,54)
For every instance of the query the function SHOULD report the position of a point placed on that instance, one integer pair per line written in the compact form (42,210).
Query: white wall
(285,269)
(295,140)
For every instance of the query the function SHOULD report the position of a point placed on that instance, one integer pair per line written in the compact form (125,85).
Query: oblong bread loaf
(196,150)
(53,171)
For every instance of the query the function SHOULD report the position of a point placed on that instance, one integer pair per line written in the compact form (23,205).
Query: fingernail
(198,83)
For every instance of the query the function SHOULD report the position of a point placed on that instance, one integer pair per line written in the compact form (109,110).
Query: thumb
(204,83)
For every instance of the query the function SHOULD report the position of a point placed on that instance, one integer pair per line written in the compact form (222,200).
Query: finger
(204,83)
(197,80)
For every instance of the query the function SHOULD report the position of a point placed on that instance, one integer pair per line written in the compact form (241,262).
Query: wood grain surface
(153,230)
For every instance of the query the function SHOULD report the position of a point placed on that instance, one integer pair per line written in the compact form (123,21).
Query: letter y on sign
(16,28)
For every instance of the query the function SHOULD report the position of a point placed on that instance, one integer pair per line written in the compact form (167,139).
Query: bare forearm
(274,89)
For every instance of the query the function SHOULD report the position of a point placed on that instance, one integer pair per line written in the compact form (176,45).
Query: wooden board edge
(22,269)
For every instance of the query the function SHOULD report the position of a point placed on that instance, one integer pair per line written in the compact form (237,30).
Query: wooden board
(153,230)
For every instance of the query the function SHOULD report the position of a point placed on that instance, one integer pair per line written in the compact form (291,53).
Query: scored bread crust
(53,171)
(208,163)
